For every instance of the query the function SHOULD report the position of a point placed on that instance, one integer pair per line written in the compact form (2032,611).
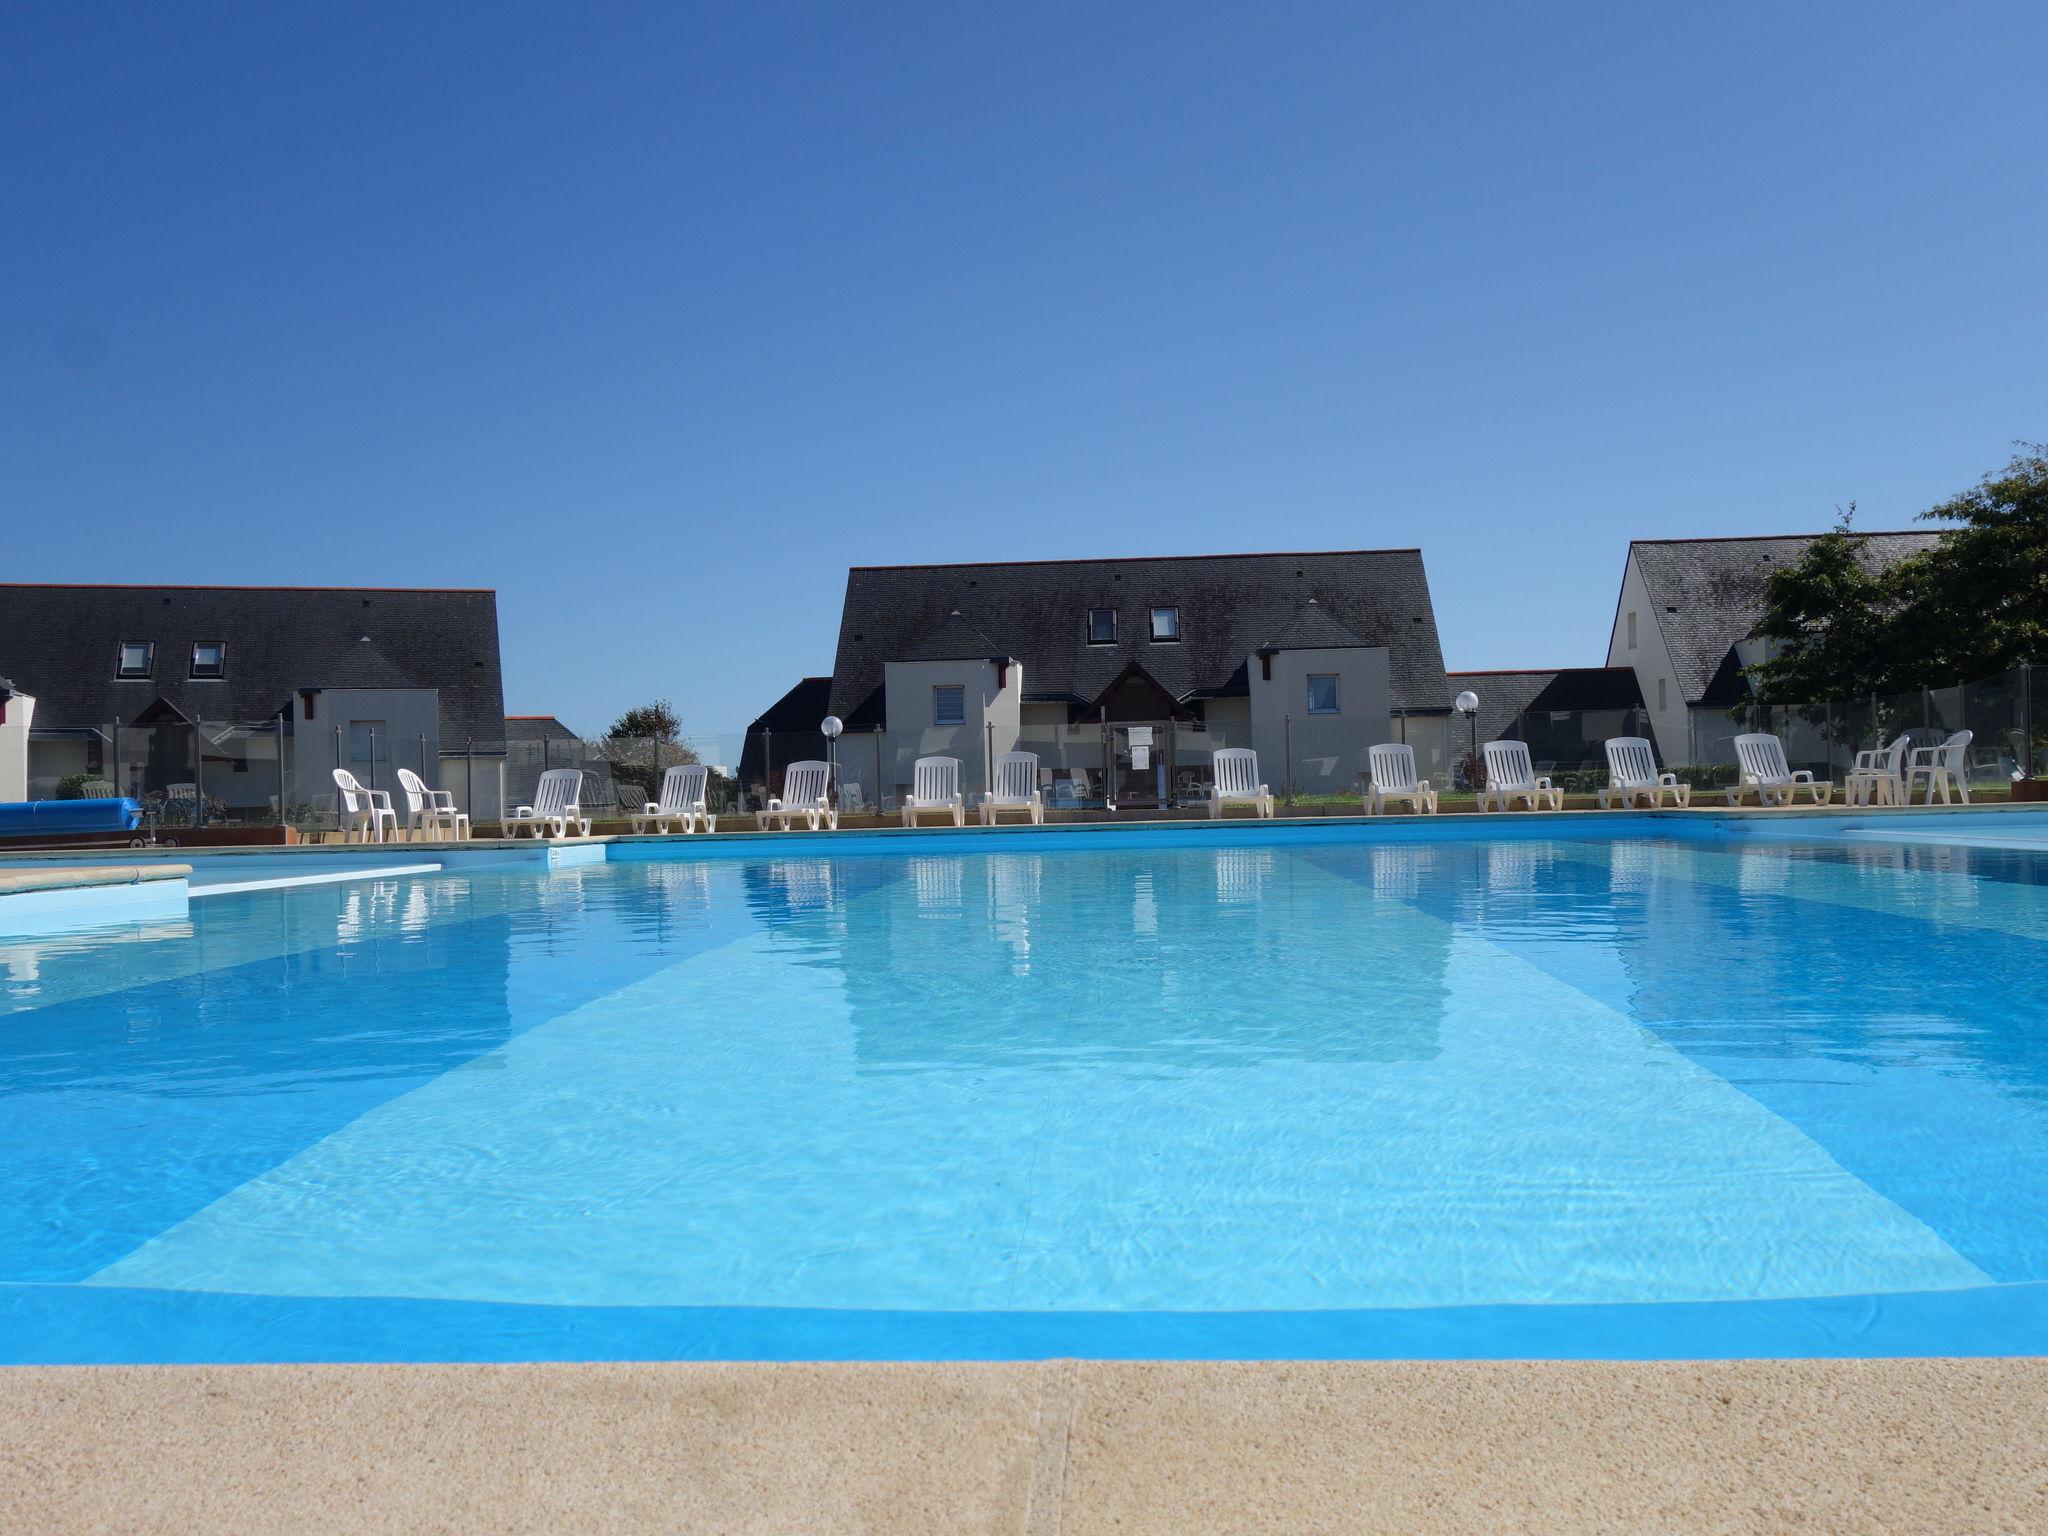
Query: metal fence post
(114,731)
(988,758)
(436,780)
(2026,719)
(878,768)
(1287,736)
(373,759)
(198,775)
(283,791)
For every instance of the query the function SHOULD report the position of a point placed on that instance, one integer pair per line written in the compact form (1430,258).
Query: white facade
(1638,642)
(19,711)
(1300,739)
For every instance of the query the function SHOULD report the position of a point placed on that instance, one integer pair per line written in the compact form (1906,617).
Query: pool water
(1226,1096)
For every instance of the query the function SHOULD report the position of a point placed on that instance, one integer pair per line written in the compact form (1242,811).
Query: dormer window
(1102,626)
(209,658)
(136,658)
(1165,626)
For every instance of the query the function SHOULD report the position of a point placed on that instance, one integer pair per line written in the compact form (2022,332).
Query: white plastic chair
(1393,779)
(1511,779)
(935,786)
(1879,775)
(1632,775)
(1236,773)
(557,806)
(682,800)
(430,810)
(853,800)
(1016,789)
(364,813)
(1767,775)
(804,793)
(1944,768)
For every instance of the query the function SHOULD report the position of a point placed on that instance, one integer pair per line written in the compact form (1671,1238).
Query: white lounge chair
(1016,789)
(1632,775)
(1393,779)
(557,806)
(682,800)
(804,793)
(1236,782)
(1879,775)
(1767,775)
(853,800)
(1944,767)
(935,786)
(430,810)
(364,813)
(1511,779)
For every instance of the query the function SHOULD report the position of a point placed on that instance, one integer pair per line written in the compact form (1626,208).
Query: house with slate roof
(1124,674)
(154,686)
(1685,623)
(1565,714)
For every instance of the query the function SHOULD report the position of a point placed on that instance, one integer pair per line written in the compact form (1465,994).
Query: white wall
(21,709)
(1652,663)
(991,705)
(1329,751)
(407,715)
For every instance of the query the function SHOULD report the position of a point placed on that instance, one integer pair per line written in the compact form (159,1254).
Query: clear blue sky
(656,318)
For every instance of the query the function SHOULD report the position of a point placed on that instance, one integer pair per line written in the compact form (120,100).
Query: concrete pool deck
(1059,1448)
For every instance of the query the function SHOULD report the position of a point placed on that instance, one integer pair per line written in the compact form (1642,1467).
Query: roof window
(135,659)
(1102,626)
(1165,626)
(209,658)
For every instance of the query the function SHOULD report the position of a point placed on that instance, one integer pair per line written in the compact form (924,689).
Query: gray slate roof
(531,728)
(62,644)
(1706,594)
(1504,695)
(1313,629)
(1230,606)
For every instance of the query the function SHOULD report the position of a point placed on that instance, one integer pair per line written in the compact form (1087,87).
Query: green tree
(1829,618)
(1977,603)
(655,722)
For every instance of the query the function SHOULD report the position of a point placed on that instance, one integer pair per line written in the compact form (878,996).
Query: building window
(1322,693)
(1660,693)
(209,658)
(136,656)
(363,736)
(1165,625)
(949,704)
(1102,626)
(1631,630)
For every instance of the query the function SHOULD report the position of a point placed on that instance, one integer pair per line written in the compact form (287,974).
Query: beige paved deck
(1061,1449)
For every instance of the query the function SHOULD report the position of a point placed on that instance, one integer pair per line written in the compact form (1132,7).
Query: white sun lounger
(1767,775)
(1236,782)
(1016,789)
(430,810)
(935,786)
(1879,775)
(1632,775)
(1511,780)
(1393,779)
(557,806)
(803,794)
(364,812)
(1944,767)
(682,800)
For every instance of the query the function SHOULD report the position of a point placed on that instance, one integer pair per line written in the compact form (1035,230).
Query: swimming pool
(1229,1093)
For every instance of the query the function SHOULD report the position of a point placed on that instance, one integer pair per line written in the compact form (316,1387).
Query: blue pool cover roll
(49,818)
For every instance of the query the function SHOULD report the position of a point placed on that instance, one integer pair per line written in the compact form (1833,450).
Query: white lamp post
(1467,704)
(830,727)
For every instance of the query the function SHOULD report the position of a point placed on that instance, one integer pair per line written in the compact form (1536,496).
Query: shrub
(82,786)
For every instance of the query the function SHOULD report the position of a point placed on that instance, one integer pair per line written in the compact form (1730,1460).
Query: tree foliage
(1973,605)
(657,722)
